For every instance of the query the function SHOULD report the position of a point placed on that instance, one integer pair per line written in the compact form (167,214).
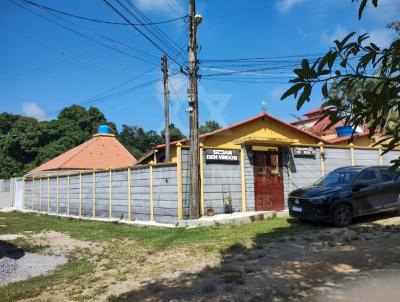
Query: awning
(255,140)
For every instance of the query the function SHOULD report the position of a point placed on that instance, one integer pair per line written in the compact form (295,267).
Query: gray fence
(154,192)
(144,193)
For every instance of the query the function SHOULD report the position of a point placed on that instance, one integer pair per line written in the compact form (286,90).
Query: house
(102,152)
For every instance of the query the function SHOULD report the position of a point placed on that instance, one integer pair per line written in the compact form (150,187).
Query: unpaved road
(360,263)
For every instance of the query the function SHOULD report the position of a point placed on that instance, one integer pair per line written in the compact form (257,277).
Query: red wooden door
(268,181)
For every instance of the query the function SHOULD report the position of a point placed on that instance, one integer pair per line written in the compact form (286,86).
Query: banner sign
(304,151)
(222,155)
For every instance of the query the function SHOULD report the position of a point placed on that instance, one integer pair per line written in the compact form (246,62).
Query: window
(261,164)
(387,175)
(336,179)
(368,177)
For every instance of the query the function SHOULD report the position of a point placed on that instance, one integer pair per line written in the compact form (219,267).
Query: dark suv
(346,193)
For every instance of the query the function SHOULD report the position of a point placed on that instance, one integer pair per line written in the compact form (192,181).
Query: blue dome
(104,129)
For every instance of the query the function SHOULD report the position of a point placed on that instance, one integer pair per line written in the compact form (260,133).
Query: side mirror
(359,185)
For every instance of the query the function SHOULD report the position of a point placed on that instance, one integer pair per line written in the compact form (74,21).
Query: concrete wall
(366,157)
(336,158)
(74,194)
(222,181)
(6,200)
(185,182)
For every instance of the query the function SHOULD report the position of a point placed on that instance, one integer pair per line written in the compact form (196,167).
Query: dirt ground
(359,263)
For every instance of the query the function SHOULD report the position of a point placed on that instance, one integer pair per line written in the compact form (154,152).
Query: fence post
(179,176)
(380,155)
(321,158)
(110,194)
(68,197)
(33,192)
(202,179)
(58,199)
(129,193)
(48,194)
(151,192)
(80,193)
(243,177)
(353,160)
(40,194)
(94,194)
(23,192)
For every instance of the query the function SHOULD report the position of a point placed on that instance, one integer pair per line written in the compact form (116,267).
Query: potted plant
(210,212)
(228,204)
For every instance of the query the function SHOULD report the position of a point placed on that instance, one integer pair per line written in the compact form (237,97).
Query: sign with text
(222,155)
(304,151)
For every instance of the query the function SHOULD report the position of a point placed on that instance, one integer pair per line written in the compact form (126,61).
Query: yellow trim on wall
(353,161)
(48,194)
(321,158)
(151,192)
(202,210)
(33,192)
(57,197)
(80,194)
(40,194)
(243,177)
(110,194)
(94,194)
(129,193)
(68,195)
(179,176)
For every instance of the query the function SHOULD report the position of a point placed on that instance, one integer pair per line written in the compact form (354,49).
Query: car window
(368,177)
(336,178)
(387,175)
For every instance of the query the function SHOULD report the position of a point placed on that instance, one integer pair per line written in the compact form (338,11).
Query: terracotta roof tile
(103,151)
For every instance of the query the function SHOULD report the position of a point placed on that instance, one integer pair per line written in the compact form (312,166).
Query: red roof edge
(263,114)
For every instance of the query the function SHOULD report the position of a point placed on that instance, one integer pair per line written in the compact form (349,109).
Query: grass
(127,249)
(34,286)
(207,238)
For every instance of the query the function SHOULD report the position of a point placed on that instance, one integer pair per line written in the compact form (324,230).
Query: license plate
(296,208)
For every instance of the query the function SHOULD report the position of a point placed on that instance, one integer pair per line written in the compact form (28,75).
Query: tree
(379,67)
(175,134)
(26,143)
(209,126)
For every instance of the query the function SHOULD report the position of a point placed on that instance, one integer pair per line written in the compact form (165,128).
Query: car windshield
(336,179)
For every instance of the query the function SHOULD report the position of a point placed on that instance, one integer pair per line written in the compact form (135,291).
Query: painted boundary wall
(303,171)
(160,192)
(148,192)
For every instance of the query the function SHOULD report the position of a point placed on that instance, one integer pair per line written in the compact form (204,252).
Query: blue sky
(45,67)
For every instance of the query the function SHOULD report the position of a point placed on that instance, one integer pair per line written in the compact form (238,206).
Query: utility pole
(164,69)
(194,156)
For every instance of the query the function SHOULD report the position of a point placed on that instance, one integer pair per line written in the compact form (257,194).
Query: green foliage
(360,83)
(209,126)
(26,143)
(175,134)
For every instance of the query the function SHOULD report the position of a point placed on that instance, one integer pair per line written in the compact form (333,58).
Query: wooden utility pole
(164,69)
(194,156)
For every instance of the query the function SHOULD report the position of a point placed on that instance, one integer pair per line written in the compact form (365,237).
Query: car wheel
(343,215)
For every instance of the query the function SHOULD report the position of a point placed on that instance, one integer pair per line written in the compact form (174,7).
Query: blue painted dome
(104,129)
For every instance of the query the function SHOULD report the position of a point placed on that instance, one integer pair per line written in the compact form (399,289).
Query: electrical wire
(97,20)
(85,36)
(142,33)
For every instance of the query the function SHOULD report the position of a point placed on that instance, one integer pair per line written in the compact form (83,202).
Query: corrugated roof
(103,151)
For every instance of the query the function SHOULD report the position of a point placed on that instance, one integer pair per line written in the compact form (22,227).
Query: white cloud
(337,34)
(160,5)
(34,110)
(381,37)
(286,5)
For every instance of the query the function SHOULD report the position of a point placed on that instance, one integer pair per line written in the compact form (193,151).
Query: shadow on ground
(10,250)
(295,268)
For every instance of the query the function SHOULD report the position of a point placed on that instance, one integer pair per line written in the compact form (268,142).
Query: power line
(84,35)
(97,20)
(141,32)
